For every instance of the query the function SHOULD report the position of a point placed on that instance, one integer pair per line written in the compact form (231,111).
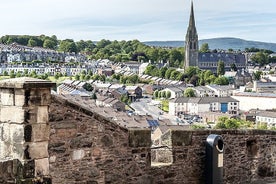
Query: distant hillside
(219,43)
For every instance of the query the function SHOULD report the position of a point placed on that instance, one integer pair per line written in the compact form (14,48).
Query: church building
(208,60)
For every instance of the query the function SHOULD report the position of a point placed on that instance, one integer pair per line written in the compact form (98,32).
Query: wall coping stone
(25,83)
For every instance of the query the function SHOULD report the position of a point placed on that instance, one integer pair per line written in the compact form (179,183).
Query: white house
(266,117)
(142,68)
(202,91)
(221,90)
(261,101)
(196,105)
(175,92)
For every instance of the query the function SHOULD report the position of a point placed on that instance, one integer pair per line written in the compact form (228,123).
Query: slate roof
(266,114)
(238,58)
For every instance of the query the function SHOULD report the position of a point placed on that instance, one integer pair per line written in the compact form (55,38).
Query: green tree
(189,92)
(221,68)
(191,71)
(163,94)
(5,73)
(32,43)
(124,98)
(261,58)
(233,67)
(257,75)
(168,73)
(168,94)
(88,87)
(162,72)
(12,74)
(18,74)
(77,77)
(159,94)
(57,76)
(174,75)
(50,44)
(68,45)
(94,96)
(204,48)
(221,80)
(155,94)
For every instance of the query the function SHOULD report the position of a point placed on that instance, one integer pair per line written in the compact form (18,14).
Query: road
(147,106)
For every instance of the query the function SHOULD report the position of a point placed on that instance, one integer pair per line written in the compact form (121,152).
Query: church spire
(191,42)
(192,17)
(192,26)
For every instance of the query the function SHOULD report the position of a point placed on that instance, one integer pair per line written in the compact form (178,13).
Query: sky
(145,20)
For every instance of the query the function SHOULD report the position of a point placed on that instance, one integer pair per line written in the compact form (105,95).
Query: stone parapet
(24,126)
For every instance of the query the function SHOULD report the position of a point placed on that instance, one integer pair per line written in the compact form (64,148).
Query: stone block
(181,138)
(40,132)
(40,96)
(38,114)
(5,132)
(20,97)
(38,150)
(12,114)
(78,154)
(42,167)
(5,151)
(18,151)
(17,133)
(139,137)
(42,114)
(7,97)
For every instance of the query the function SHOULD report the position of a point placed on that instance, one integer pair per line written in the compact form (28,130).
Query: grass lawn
(165,105)
(4,77)
(59,80)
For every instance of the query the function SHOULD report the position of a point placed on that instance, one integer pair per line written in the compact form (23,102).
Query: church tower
(191,47)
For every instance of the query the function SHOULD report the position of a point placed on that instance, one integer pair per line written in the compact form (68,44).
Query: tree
(94,96)
(257,75)
(163,94)
(124,98)
(194,80)
(88,87)
(261,58)
(159,94)
(12,74)
(5,73)
(32,43)
(168,73)
(221,80)
(168,94)
(77,77)
(189,92)
(162,72)
(221,68)
(191,71)
(233,67)
(68,45)
(57,76)
(49,44)
(155,94)
(226,123)
(204,48)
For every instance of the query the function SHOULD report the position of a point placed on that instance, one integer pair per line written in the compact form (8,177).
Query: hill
(219,43)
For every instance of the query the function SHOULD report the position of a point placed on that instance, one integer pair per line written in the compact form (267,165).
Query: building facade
(209,60)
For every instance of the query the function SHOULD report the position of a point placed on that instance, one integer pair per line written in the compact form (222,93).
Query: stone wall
(87,148)
(43,135)
(249,157)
